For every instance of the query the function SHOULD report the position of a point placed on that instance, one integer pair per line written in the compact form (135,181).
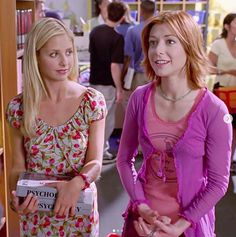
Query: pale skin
(167,58)
(230,41)
(64,97)
(103,9)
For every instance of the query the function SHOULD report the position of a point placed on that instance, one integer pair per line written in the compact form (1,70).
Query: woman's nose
(63,60)
(160,48)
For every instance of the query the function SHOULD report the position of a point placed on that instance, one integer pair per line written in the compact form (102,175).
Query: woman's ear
(226,26)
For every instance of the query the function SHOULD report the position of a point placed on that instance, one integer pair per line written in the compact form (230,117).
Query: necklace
(164,96)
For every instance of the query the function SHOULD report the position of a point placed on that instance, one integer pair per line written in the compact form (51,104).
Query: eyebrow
(70,48)
(164,36)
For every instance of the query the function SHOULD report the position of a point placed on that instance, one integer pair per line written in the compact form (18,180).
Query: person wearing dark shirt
(106,49)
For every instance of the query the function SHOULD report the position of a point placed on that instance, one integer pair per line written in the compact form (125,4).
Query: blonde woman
(57,127)
(185,134)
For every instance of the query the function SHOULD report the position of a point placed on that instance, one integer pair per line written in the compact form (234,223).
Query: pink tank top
(161,188)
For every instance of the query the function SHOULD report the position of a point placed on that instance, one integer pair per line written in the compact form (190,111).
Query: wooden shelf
(8,80)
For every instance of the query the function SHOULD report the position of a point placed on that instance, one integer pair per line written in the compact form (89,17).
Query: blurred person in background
(223,53)
(41,11)
(127,22)
(100,14)
(106,48)
(133,45)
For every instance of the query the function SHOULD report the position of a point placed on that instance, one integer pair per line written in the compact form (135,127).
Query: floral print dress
(59,150)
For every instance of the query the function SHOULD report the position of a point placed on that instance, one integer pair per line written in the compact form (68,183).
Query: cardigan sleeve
(128,150)
(217,162)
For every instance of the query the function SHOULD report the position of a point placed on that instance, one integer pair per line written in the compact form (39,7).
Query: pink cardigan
(202,158)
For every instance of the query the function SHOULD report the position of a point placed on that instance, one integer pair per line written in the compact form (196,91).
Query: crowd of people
(59,127)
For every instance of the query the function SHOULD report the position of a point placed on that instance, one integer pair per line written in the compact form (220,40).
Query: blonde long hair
(188,32)
(33,85)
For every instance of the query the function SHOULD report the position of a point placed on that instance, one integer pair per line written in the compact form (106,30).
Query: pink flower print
(60,168)
(49,233)
(25,226)
(47,222)
(61,228)
(76,136)
(79,222)
(65,129)
(17,100)
(101,102)
(93,105)
(39,132)
(34,150)
(19,112)
(76,145)
(16,124)
(78,121)
(34,231)
(89,228)
(62,233)
(48,170)
(60,134)
(52,161)
(31,165)
(48,138)
(35,221)
(75,155)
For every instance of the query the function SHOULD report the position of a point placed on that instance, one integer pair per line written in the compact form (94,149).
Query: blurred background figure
(133,46)
(41,11)
(106,48)
(100,14)
(127,22)
(223,53)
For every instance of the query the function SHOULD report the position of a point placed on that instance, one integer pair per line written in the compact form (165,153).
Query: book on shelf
(23,25)
(36,184)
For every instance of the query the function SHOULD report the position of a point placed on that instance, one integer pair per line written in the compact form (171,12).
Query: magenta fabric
(202,158)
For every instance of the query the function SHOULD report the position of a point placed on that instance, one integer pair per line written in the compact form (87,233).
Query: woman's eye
(152,43)
(53,55)
(170,41)
(69,52)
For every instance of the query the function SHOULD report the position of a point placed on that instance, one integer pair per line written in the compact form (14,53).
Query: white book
(36,184)
(128,78)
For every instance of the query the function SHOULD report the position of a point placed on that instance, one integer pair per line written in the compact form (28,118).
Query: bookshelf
(8,85)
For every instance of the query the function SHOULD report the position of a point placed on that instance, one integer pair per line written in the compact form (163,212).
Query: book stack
(24,23)
(35,183)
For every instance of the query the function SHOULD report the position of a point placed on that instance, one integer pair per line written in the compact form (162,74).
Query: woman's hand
(230,72)
(149,215)
(67,197)
(30,204)
(161,227)
(148,230)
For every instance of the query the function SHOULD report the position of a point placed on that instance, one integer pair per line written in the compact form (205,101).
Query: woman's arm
(18,164)
(216,162)
(30,204)
(214,70)
(69,192)
(213,60)
(161,227)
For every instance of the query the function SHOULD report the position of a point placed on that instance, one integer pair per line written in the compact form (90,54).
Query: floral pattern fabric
(59,150)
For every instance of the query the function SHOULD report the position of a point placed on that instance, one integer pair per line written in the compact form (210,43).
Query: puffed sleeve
(14,112)
(95,106)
